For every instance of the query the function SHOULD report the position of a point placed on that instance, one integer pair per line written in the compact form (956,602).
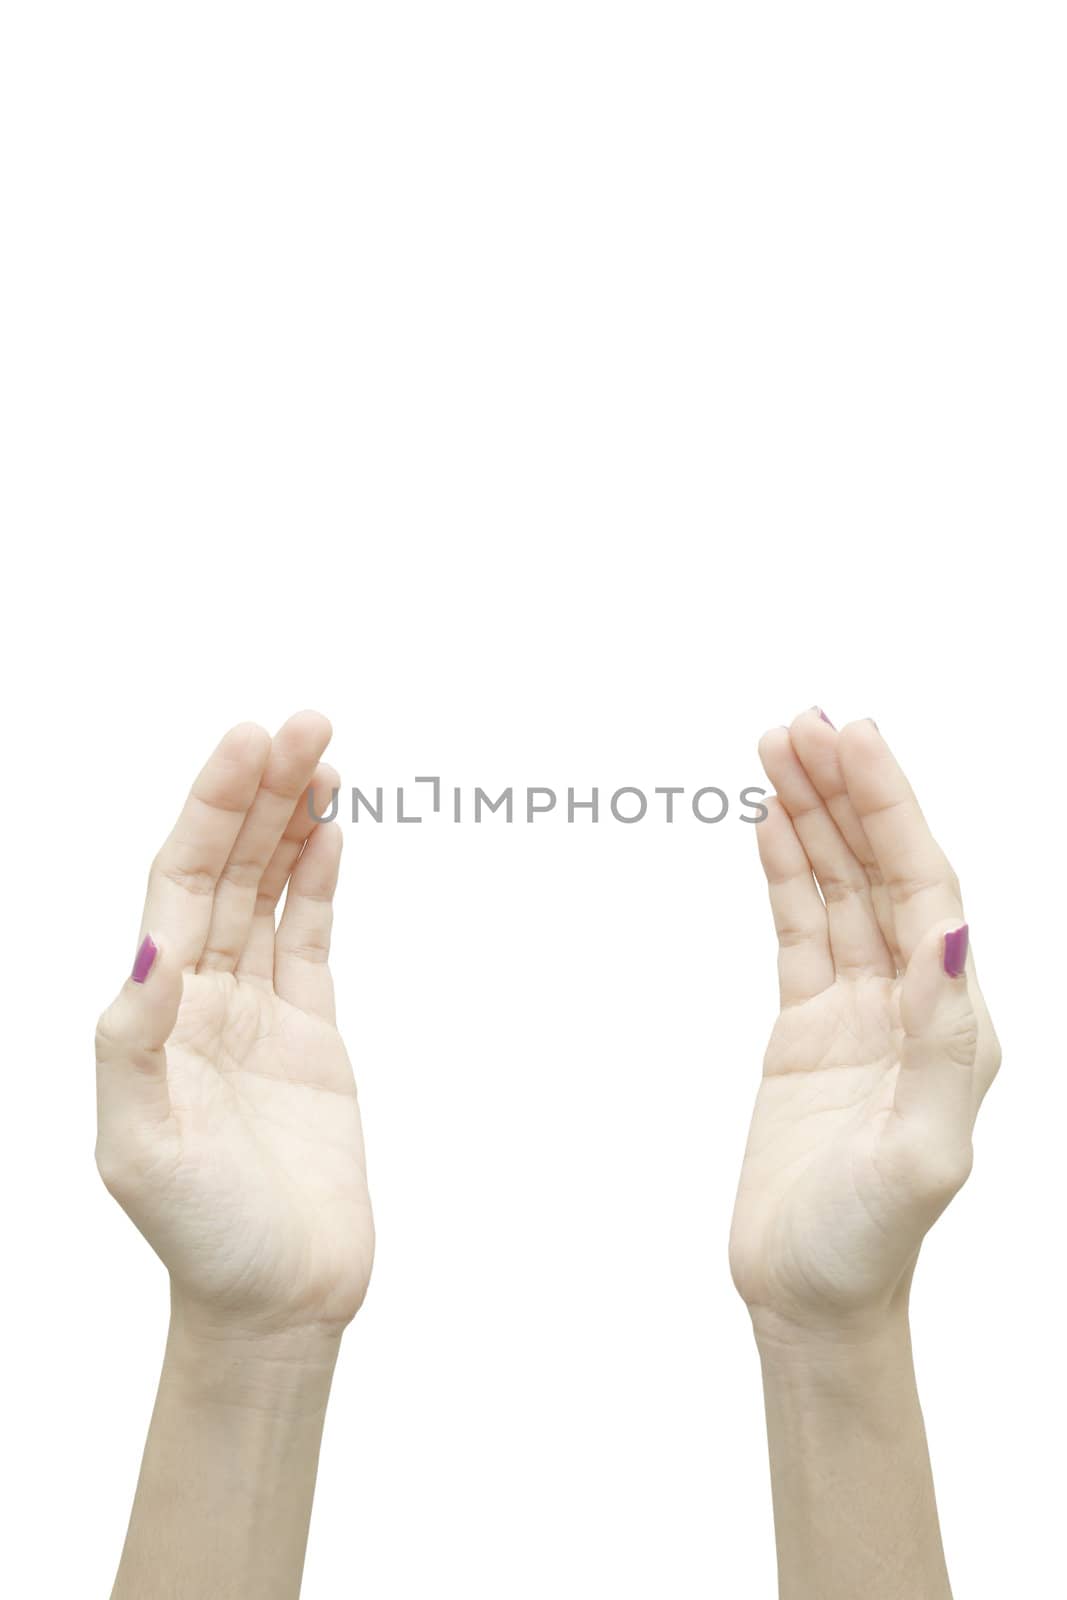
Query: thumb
(131,1062)
(936,1080)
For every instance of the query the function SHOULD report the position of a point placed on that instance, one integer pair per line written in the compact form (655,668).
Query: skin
(229,1131)
(860,1137)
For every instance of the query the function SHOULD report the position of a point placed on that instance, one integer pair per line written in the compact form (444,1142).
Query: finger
(920,884)
(130,1039)
(182,881)
(936,1095)
(805,964)
(294,755)
(257,958)
(855,938)
(302,943)
(816,744)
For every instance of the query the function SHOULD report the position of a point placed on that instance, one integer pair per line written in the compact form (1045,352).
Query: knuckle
(308,950)
(930,1163)
(836,889)
(994,1054)
(219,956)
(192,878)
(948,1171)
(961,1045)
(907,887)
(107,1031)
(941,1169)
(242,872)
(114,1172)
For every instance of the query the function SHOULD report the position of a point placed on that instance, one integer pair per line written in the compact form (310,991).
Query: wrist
(215,1360)
(851,1358)
(850,1473)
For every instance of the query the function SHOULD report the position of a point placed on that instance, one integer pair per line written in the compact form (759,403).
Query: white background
(551,394)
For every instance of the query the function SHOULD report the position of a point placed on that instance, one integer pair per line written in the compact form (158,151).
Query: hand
(881,1055)
(228,1123)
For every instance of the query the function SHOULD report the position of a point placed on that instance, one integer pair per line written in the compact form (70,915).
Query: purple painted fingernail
(956,951)
(142,965)
(824,717)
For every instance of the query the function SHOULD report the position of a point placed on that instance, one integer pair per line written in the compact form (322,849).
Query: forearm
(854,1505)
(226,1486)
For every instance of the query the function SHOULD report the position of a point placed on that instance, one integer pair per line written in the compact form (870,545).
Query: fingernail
(824,717)
(956,951)
(142,965)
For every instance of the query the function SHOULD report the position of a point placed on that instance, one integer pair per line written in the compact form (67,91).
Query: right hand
(228,1123)
(881,1055)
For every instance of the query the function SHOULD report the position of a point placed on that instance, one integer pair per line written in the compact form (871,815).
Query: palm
(229,1125)
(265,1138)
(812,1198)
(877,1063)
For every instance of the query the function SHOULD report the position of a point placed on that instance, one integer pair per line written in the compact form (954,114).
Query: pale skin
(229,1131)
(860,1137)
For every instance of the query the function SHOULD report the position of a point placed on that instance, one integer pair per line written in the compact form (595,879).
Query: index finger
(181,885)
(920,883)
